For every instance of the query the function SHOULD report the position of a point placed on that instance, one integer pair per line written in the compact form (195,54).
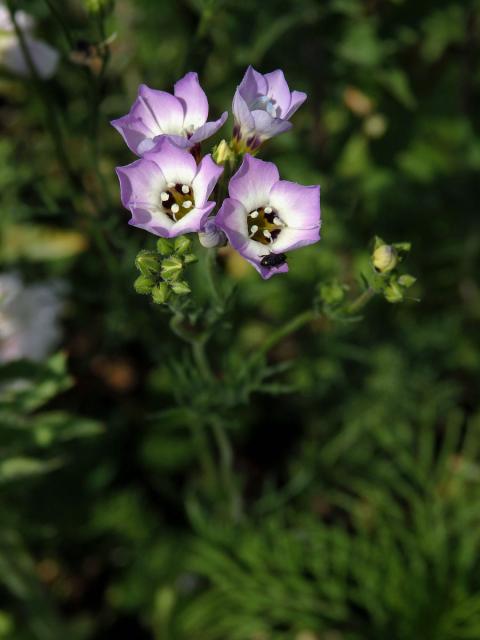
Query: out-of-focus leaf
(20,468)
(38,243)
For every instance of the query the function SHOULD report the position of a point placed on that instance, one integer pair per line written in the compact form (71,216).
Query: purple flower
(182,117)
(167,192)
(262,106)
(264,217)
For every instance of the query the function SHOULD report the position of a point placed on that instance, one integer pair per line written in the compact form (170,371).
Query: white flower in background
(44,57)
(29,318)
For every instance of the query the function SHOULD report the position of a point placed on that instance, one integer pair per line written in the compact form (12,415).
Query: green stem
(293,325)
(304,318)
(363,299)
(210,265)
(200,357)
(204,453)
(226,466)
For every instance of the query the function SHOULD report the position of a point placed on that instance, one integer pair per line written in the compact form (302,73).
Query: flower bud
(161,293)
(211,236)
(164,246)
(171,268)
(144,284)
(223,153)
(181,245)
(406,281)
(332,292)
(393,293)
(384,258)
(190,258)
(147,262)
(180,288)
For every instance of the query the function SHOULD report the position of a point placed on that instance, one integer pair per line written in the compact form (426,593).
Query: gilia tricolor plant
(226,196)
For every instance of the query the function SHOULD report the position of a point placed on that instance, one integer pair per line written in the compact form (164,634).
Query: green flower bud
(147,262)
(393,293)
(171,268)
(144,284)
(384,258)
(180,288)
(406,281)
(164,246)
(182,245)
(190,258)
(332,292)
(223,153)
(160,293)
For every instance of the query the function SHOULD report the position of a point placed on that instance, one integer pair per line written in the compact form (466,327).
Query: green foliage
(208,468)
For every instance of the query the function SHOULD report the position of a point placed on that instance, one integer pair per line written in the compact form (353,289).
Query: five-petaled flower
(264,217)
(182,117)
(262,106)
(166,192)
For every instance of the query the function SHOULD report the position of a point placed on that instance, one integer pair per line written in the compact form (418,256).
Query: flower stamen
(267,226)
(177,200)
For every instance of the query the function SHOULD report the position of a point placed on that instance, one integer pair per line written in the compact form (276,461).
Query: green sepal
(144,284)
(164,246)
(180,288)
(160,293)
(182,245)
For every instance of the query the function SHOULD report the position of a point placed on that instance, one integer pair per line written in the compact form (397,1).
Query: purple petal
(207,130)
(207,176)
(252,85)
(297,206)
(267,127)
(177,165)
(194,100)
(141,183)
(232,219)
(290,239)
(162,112)
(298,98)
(278,91)
(252,183)
(133,131)
(159,224)
(242,113)
(193,221)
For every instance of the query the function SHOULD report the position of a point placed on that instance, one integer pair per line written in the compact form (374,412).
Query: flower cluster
(172,190)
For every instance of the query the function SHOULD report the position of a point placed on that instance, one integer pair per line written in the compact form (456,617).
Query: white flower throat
(264,225)
(177,200)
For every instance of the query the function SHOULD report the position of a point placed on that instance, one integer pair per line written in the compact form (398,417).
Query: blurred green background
(355,448)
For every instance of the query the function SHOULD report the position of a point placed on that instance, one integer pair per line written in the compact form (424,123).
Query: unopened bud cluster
(385,260)
(162,271)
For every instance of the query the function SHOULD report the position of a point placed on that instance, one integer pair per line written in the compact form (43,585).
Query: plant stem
(210,264)
(363,299)
(226,466)
(200,357)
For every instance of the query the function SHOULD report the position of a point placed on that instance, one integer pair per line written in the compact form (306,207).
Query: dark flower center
(177,200)
(264,225)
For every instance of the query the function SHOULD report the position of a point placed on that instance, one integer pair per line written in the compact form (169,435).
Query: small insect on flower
(273,259)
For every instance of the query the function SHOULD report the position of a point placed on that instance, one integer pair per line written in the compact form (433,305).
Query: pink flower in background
(166,192)
(262,106)
(44,57)
(265,217)
(29,318)
(182,116)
